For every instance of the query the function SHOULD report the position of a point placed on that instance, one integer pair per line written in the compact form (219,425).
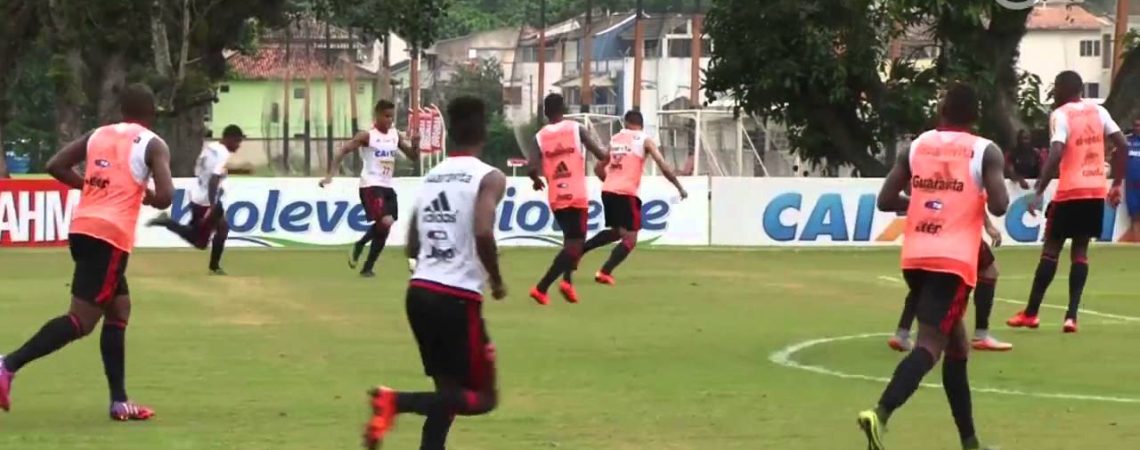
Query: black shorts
(1074,219)
(622,211)
(572,221)
(942,297)
(452,337)
(379,202)
(985,257)
(205,226)
(100,269)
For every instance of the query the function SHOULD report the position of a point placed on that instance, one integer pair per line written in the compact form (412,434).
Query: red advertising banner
(35,213)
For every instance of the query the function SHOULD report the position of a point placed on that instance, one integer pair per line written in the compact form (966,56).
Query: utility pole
(697,50)
(541,56)
(587,91)
(1122,8)
(638,54)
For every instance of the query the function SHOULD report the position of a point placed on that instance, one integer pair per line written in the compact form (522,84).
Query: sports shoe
(1023,320)
(354,253)
(161,219)
(899,344)
(126,411)
(368,274)
(990,344)
(1070,326)
(383,403)
(604,278)
(5,386)
(540,297)
(218,271)
(568,291)
(873,427)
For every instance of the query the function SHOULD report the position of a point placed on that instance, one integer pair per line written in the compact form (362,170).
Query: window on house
(1090,48)
(360,88)
(512,95)
(224,88)
(274,113)
(680,48)
(530,54)
(299,92)
(652,49)
(1092,90)
(1106,56)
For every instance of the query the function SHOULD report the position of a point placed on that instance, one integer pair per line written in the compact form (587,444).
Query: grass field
(677,356)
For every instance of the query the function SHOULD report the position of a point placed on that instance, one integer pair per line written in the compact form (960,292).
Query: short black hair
(136,101)
(467,121)
(960,107)
(384,105)
(233,131)
(1067,87)
(554,106)
(634,117)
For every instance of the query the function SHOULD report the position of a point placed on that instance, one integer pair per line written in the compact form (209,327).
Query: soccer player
(207,213)
(1132,191)
(621,175)
(378,149)
(983,301)
(453,238)
(561,158)
(120,160)
(953,176)
(1079,128)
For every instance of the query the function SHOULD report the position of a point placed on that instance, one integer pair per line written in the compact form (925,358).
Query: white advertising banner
(296,212)
(842,212)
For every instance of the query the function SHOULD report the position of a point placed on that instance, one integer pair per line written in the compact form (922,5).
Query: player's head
(137,104)
(467,124)
(1067,87)
(232,138)
(959,106)
(554,107)
(1023,138)
(634,120)
(1136,127)
(383,115)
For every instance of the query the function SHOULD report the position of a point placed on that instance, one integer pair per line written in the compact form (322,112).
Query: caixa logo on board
(826,219)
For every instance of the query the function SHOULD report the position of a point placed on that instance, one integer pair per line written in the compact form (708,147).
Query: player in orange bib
(621,174)
(120,160)
(561,156)
(1079,128)
(952,176)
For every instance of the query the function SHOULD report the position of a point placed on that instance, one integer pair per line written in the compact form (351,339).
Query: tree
(822,67)
(1124,99)
(482,79)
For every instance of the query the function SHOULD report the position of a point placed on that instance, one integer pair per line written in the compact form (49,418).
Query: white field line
(1084,311)
(784,357)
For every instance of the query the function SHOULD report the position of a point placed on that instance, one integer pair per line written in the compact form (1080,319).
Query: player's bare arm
(409,145)
(158,160)
(592,145)
(534,168)
(412,249)
(354,144)
(993,232)
(891,198)
(491,190)
(993,180)
(61,166)
(651,147)
(600,169)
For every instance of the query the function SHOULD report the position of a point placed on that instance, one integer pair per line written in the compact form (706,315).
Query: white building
(1068,37)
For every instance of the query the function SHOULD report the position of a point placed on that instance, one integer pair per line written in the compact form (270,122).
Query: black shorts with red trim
(451,334)
(100,269)
(622,211)
(1068,219)
(942,297)
(205,220)
(379,202)
(572,221)
(985,257)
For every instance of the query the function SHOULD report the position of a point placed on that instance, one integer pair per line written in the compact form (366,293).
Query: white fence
(291,212)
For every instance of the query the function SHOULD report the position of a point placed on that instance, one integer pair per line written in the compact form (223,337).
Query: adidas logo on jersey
(439,211)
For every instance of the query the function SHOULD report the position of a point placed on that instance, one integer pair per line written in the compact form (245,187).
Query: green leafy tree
(822,67)
(482,79)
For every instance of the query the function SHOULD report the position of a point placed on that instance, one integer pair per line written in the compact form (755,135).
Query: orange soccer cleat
(1070,326)
(899,344)
(128,411)
(990,344)
(1021,320)
(383,403)
(568,292)
(604,278)
(540,297)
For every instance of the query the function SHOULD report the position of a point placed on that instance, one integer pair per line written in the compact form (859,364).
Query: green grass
(278,355)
